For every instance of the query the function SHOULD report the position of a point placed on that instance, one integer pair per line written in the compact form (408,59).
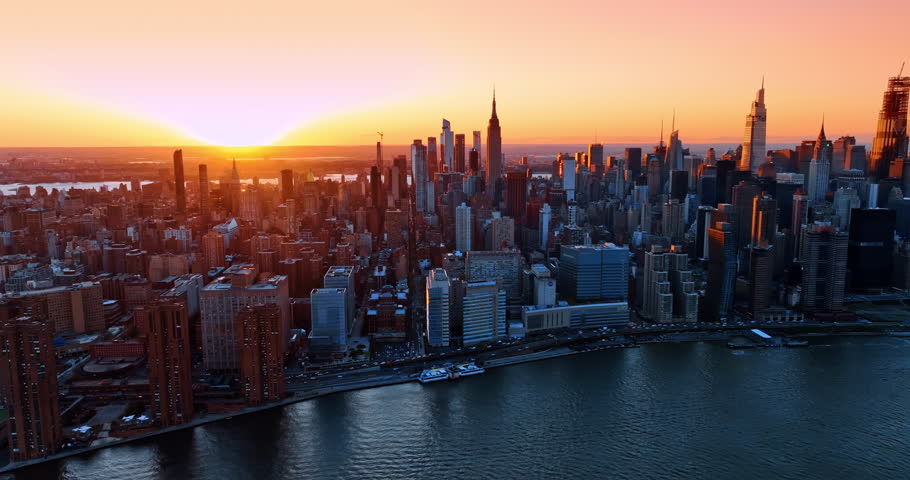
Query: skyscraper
(169,363)
(179,182)
(871,248)
(721,281)
(234,190)
(203,189)
(820,167)
(483,312)
(823,257)
(595,156)
(438,291)
(890,140)
(328,311)
(213,249)
(517,193)
(494,151)
(754,147)
(761,271)
(447,143)
(261,353)
(28,388)
(633,163)
(545,216)
(432,159)
(221,300)
(459,153)
(764,220)
(594,273)
(287,184)
(419,174)
(463,228)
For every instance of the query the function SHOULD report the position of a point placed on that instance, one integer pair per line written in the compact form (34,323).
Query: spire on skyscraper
(494,102)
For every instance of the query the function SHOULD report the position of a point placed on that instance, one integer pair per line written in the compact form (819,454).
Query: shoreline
(555,352)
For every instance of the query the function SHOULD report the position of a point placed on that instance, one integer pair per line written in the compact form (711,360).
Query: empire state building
(494,151)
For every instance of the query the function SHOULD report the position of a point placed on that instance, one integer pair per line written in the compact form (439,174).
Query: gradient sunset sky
(105,73)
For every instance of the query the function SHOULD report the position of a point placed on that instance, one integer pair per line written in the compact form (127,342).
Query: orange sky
(105,73)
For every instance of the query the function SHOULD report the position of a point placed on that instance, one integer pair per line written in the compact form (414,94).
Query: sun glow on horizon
(102,73)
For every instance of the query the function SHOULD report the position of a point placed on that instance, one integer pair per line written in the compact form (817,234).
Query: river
(836,409)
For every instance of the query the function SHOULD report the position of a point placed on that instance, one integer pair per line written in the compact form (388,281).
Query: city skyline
(299,82)
(332,198)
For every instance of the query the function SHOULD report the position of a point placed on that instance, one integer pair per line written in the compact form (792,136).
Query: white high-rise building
(483,312)
(544,286)
(342,276)
(438,294)
(447,141)
(463,228)
(754,147)
(545,215)
(328,313)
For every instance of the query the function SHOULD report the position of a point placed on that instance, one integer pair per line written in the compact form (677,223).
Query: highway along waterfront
(696,409)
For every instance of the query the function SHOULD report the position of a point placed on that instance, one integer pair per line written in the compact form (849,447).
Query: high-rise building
(432,159)
(754,147)
(179,182)
(517,193)
(494,151)
(855,158)
(595,156)
(545,216)
(483,312)
(287,184)
(744,194)
(764,220)
(342,276)
(839,150)
(633,163)
(503,266)
(28,388)
(419,175)
(460,153)
(463,228)
(672,221)
(261,353)
(221,301)
(823,255)
(890,140)
(438,291)
(447,143)
(820,167)
(592,273)
(328,311)
(167,328)
(234,190)
(799,217)
(869,255)
(761,271)
(845,200)
(721,281)
(213,249)
(669,289)
(204,189)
